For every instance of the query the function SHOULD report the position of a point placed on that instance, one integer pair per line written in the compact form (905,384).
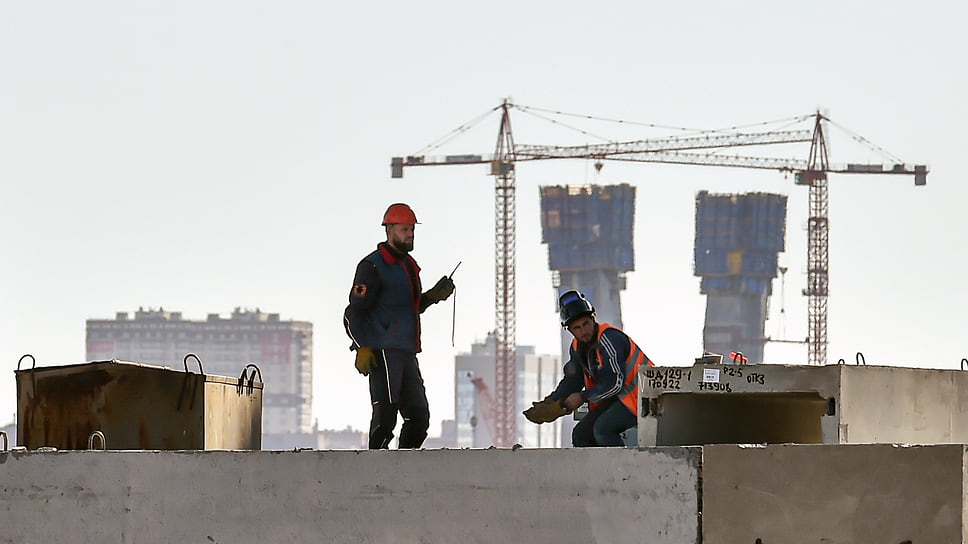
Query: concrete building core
(737,241)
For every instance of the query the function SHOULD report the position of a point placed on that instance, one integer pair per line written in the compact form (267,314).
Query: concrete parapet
(468,496)
(817,493)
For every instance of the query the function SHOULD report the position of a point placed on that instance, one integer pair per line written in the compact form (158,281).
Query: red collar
(388,254)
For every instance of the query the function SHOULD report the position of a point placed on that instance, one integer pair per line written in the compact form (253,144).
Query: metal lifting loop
(97,434)
(840,361)
(737,357)
(200,369)
(3,434)
(860,359)
(247,387)
(964,362)
(33,364)
(252,376)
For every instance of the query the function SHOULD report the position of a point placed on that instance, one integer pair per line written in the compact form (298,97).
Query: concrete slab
(877,493)
(774,404)
(534,496)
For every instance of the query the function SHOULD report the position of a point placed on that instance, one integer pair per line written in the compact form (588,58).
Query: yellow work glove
(441,290)
(532,415)
(545,411)
(365,359)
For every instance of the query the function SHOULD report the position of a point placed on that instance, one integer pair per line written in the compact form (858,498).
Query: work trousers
(603,426)
(397,386)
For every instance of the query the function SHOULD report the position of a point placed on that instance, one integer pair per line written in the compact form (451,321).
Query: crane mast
(505,345)
(818,248)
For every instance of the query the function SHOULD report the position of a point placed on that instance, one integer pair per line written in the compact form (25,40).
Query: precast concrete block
(833,494)
(777,404)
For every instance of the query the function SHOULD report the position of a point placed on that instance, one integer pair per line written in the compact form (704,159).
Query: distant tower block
(588,229)
(737,241)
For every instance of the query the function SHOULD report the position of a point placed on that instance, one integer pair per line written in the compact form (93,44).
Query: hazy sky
(200,156)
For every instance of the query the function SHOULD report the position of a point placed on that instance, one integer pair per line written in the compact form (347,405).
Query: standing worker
(602,370)
(383,321)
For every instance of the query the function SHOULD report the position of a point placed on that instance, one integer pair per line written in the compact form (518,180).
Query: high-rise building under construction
(737,241)
(588,229)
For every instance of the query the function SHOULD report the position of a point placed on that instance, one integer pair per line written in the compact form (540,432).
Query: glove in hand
(441,290)
(365,359)
(545,411)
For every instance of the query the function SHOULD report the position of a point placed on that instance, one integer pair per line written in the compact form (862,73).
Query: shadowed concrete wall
(779,404)
(834,494)
(532,496)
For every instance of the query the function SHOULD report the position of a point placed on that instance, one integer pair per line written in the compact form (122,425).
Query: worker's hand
(441,290)
(572,402)
(531,414)
(365,359)
(545,411)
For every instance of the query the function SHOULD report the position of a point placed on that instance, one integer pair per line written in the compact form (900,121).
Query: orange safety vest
(629,394)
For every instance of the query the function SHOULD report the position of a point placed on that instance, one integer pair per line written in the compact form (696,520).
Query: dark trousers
(397,386)
(603,426)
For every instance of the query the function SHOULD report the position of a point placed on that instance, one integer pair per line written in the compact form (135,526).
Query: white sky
(201,156)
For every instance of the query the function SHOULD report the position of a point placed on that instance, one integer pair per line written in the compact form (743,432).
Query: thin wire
(868,143)
(789,120)
(576,129)
(454,133)
(606,119)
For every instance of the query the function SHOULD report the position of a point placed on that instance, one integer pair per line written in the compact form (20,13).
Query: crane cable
(788,120)
(454,133)
(858,138)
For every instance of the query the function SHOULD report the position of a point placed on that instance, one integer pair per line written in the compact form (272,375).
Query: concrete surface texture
(776,404)
(469,496)
(910,405)
(849,494)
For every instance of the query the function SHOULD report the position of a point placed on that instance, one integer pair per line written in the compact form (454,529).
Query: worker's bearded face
(583,328)
(400,237)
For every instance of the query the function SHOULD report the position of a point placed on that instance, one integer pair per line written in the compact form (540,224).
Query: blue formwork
(759,263)
(767,214)
(711,262)
(588,227)
(739,236)
(626,259)
(738,222)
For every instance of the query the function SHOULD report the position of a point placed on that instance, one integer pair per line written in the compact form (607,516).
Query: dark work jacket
(605,368)
(385,302)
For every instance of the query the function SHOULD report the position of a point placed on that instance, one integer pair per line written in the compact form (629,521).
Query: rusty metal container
(137,406)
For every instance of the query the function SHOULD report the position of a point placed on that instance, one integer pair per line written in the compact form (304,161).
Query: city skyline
(202,157)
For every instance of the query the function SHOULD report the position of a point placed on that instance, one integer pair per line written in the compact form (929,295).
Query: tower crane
(810,172)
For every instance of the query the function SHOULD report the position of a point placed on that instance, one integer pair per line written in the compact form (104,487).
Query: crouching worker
(602,370)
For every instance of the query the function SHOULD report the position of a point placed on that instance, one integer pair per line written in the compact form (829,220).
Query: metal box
(137,406)
(776,404)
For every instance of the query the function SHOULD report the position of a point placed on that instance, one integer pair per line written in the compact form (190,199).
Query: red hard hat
(399,214)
